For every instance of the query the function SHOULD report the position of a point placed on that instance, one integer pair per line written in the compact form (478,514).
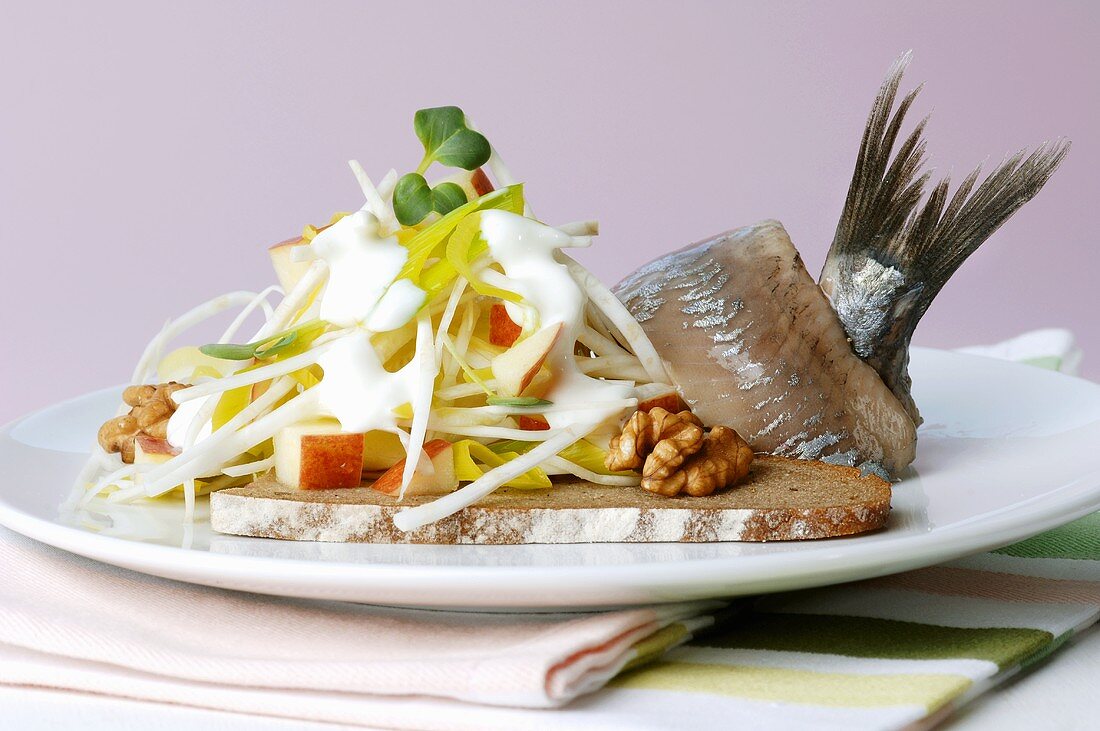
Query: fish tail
(895,248)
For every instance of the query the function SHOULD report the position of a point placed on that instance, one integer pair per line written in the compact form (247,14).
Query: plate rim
(1070,500)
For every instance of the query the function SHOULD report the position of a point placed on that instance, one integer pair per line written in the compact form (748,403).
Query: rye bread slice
(782,499)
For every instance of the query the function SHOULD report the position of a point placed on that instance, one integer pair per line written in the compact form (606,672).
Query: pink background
(150,151)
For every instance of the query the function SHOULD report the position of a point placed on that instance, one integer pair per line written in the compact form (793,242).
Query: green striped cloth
(903,651)
(894,652)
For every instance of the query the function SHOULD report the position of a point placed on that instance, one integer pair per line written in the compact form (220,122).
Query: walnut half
(724,459)
(657,442)
(151,407)
(676,456)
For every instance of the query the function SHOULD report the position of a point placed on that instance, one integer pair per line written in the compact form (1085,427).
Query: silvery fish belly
(752,342)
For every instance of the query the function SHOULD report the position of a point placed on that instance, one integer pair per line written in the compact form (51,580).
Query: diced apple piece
(381,450)
(515,368)
(652,395)
(502,329)
(316,455)
(442,481)
(151,450)
(479,181)
(286,269)
(533,423)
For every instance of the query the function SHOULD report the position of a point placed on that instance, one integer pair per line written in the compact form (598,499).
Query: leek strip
(427,368)
(412,518)
(226,434)
(186,321)
(572,468)
(247,378)
(621,318)
(284,314)
(249,468)
(238,321)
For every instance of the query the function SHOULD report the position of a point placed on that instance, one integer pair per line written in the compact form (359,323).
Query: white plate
(1006,451)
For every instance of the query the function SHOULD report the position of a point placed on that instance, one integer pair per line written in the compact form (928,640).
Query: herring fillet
(752,342)
(821,372)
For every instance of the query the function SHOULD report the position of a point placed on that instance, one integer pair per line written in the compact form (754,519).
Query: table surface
(1057,693)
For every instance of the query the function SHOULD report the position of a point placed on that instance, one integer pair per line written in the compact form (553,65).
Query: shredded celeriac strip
(248,378)
(427,368)
(259,301)
(209,462)
(449,311)
(375,202)
(572,468)
(622,365)
(615,311)
(173,328)
(285,312)
(412,518)
(249,468)
(276,391)
(599,344)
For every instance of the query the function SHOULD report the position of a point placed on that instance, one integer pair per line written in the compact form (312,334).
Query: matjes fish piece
(752,342)
(822,372)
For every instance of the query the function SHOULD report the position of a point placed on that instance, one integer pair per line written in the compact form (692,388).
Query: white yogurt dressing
(525,249)
(361,293)
(362,266)
(357,390)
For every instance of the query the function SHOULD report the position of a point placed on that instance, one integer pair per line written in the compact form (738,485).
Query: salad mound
(438,341)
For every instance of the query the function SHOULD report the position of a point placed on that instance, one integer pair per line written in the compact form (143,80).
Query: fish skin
(752,342)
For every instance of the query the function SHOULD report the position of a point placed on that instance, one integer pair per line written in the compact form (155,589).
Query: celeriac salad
(442,321)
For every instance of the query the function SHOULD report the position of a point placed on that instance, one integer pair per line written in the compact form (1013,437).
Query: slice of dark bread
(781,499)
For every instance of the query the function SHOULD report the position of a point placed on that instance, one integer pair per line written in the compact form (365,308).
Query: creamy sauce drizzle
(357,390)
(525,249)
(362,266)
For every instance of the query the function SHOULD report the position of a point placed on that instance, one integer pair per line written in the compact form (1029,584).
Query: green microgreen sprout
(260,349)
(523,402)
(450,142)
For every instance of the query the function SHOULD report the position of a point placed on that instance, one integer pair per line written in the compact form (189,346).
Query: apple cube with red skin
(532,423)
(442,480)
(502,329)
(316,455)
(151,450)
(652,395)
(515,368)
(287,270)
(479,181)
